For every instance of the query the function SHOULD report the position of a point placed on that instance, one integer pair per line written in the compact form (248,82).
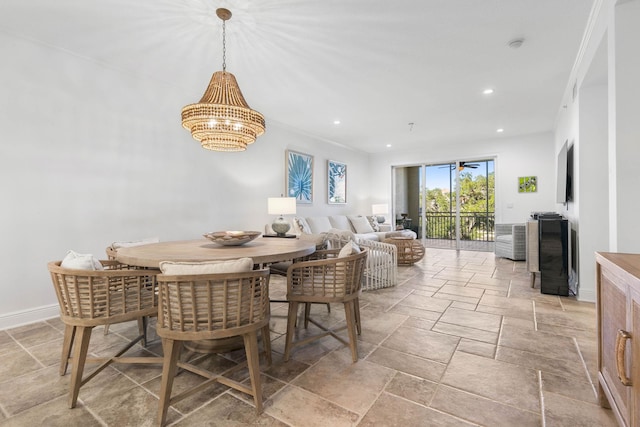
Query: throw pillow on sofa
(373,222)
(319,224)
(302,225)
(360,224)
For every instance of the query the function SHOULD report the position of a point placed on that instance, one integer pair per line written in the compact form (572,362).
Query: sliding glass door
(447,204)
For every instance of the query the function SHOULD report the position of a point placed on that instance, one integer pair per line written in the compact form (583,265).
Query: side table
(410,250)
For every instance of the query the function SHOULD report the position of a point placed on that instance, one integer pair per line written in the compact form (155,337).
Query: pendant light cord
(224,47)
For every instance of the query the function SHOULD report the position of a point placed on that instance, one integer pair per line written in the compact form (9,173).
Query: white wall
(627,110)
(591,220)
(532,155)
(602,122)
(89,155)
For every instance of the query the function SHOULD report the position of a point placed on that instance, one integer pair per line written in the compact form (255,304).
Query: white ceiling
(374,65)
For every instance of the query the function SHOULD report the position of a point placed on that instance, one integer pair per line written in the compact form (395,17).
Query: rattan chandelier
(222,120)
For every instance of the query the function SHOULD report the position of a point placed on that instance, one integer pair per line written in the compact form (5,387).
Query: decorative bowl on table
(232,238)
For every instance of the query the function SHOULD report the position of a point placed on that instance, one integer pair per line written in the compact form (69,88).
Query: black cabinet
(554,255)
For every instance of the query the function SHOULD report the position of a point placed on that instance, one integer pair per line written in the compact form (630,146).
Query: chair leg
(67,346)
(307,312)
(266,343)
(251,349)
(533,279)
(356,306)
(351,328)
(142,329)
(171,349)
(80,349)
(292,315)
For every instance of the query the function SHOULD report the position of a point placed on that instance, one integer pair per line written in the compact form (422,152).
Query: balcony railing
(477,226)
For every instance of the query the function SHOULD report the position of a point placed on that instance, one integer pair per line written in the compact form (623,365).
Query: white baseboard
(587,295)
(32,315)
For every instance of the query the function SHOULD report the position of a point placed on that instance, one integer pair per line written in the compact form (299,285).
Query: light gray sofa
(364,228)
(336,230)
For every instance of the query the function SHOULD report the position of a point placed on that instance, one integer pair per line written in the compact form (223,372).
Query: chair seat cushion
(128,244)
(240,265)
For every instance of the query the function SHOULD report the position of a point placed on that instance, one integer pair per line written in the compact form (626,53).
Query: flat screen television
(564,167)
(569,189)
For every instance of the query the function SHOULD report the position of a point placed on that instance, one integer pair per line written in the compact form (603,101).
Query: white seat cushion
(208,267)
(129,244)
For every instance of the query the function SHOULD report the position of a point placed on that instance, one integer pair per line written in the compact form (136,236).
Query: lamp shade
(380,209)
(281,205)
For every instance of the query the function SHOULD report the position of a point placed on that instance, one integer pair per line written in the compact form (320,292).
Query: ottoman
(410,250)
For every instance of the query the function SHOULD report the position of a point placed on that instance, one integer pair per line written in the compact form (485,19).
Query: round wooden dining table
(263,251)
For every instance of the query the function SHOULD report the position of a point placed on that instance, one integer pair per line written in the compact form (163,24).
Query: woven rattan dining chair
(328,279)
(209,307)
(91,298)
(112,253)
(280,269)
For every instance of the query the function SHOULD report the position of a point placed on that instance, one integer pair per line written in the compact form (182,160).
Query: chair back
(98,297)
(212,306)
(111,252)
(327,280)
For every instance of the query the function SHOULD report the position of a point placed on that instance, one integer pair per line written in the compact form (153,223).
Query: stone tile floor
(462,340)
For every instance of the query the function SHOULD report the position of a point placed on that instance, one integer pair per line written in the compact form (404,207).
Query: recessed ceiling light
(336,122)
(388,145)
(487,91)
(500,130)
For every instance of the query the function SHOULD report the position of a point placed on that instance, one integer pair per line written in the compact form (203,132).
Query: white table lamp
(281,206)
(380,211)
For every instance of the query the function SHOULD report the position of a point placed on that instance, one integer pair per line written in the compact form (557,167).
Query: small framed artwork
(299,176)
(336,182)
(527,184)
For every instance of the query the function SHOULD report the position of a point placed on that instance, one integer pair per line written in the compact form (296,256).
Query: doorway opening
(448,205)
